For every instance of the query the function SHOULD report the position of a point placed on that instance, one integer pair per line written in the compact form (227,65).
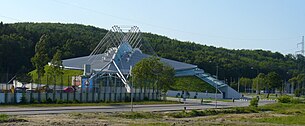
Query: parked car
(69,89)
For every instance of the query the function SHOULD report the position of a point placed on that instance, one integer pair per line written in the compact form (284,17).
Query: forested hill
(17,46)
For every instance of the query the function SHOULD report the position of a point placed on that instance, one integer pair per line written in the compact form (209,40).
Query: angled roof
(123,59)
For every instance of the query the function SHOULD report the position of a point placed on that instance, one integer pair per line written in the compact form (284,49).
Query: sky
(275,25)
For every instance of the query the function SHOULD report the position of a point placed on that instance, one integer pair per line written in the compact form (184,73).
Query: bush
(33,101)
(139,115)
(127,99)
(76,101)
(23,99)
(295,101)
(177,95)
(254,102)
(284,99)
(49,100)
(297,92)
(3,118)
(59,101)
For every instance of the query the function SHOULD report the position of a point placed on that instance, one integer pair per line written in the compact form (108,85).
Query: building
(107,68)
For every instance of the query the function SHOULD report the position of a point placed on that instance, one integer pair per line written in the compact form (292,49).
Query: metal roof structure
(120,50)
(128,59)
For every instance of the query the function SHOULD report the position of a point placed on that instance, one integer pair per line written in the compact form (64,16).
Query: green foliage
(254,102)
(297,92)
(284,120)
(3,117)
(67,74)
(191,83)
(23,99)
(245,82)
(152,70)
(56,68)
(284,99)
(209,112)
(59,101)
(138,115)
(18,40)
(33,101)
(40,59)
(48,101)
(288,99)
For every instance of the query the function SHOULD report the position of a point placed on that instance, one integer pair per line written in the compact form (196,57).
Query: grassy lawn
(4,118)
(191,83)
(67,76)
(287,120)
(9,119)
(273,114)
(91,104)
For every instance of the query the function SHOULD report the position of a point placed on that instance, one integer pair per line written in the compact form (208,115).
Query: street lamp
(216,86)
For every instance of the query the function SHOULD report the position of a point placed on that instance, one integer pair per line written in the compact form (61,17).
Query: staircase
(225,89)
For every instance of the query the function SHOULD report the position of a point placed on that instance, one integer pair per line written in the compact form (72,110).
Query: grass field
(66,79)
(272,114)
(191,83)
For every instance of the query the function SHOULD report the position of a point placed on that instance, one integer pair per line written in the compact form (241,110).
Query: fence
(194,94)
(114,95)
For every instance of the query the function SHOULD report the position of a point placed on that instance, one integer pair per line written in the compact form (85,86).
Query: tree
(152,70)
(246,82)
(40,58)
(300,80)
(273,80)
(293,82)
(56,66)
(258,82)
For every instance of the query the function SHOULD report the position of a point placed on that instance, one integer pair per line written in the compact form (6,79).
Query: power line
(10,18)
(167,28)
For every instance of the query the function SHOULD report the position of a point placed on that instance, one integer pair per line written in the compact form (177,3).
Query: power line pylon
(302,49)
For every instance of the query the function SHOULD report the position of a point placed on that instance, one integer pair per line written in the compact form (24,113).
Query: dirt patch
(109,119)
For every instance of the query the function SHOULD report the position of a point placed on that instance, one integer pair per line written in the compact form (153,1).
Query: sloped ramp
(226,90)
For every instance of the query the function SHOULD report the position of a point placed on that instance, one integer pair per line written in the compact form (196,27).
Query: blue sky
(275,25)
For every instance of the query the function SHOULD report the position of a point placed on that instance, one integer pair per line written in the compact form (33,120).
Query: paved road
(190,104)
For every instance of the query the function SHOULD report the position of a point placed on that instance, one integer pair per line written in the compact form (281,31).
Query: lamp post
(131,92)
(216,86)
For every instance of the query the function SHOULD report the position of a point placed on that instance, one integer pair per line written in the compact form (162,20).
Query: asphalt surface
(189,104)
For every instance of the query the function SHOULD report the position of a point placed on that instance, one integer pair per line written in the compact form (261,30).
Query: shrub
(127,99)
(33,101)
(284,99)
(254,102)
(297,92)
(75,101)
(3,117)
(23,99)
(177,95)
(295,101)
(59,101)
(44,101)
(139,115)
(49,100)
